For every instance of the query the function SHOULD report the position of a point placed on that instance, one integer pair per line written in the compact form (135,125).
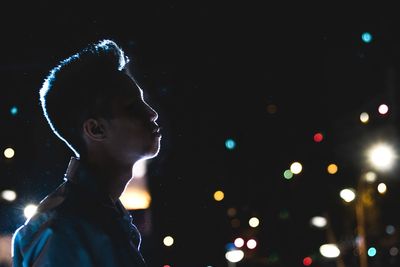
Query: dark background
(211,69)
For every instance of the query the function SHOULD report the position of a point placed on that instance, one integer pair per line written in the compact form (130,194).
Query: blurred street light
(381,156)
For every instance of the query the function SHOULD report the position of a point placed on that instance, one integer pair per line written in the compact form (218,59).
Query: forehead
(128,89)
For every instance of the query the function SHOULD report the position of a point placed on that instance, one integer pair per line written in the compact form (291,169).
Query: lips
(156,130)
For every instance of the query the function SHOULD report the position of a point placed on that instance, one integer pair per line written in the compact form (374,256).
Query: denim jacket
(78,225)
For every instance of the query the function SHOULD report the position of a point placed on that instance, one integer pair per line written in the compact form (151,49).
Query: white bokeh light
(239,242)
(329,251)
(319,221)
(9,195)
(235,255)
(168,241)
(296,167)
(348,194)
(382,156)
(383,109)
(30,210)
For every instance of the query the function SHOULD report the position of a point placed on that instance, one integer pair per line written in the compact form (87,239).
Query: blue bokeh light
(371,251)
(14,110)
(230,144)
(366,37)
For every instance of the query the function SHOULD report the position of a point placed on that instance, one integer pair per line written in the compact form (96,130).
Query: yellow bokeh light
(135,198)
(296,167)
(364,117)
(168,241)
(332,168)
(9,153)
(219,195)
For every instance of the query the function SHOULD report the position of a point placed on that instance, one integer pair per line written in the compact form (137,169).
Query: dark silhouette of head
(81,87)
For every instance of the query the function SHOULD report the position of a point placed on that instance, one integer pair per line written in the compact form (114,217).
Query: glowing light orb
(168,241)
(254,222)
(382,188)
(319,221)
(230,144)
(370,177)
(382,156)
(348,194)
(329,251)
(364,117)
(235,255)
(383,109)
(251,244)
(307,261)
(288,174)
(332,168)
(219,195)
(366,37)
(9,153)
(371,252)
(318,137)
(296,167)
(9,195)
(30,210)
(239,242)
(14,110)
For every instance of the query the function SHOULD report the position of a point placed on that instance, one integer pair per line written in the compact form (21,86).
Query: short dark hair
(81,87)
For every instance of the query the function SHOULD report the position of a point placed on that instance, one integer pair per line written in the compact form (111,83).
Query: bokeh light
(318,137)
(14,110)
(251,244)
(318,221)
(383,109)
(168,241)
(296,167)
(288,174)
(382,188)
(230,144)
(381,156)
(329,250)
(235,255)
(390,229)
(9,195)
(394,251)
(30,210)
(254,222)
(239,242)
(348,194)
(9,153)
(371,252)
(332,168)
(219,195)
(364,117)
(370,177)
(307,261)
(366,37)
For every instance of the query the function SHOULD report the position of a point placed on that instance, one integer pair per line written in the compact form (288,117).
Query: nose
(153,113)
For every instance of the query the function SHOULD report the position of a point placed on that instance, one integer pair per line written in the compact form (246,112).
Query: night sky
(267,76)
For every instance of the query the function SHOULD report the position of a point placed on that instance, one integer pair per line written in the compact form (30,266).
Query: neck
(110,176)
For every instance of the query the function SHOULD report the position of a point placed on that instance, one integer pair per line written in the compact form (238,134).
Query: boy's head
(84,87)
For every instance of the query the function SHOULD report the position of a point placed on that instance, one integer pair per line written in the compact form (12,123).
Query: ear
(94,129)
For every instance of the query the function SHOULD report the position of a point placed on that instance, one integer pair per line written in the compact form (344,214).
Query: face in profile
(133,132)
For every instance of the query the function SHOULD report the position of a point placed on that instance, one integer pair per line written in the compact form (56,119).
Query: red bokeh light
(318,137)
(307,261)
